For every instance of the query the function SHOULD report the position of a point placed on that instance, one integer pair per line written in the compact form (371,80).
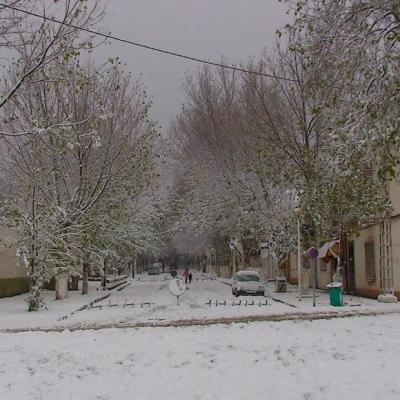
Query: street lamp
(298,212)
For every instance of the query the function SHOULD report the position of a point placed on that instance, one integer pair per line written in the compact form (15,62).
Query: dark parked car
(155,269)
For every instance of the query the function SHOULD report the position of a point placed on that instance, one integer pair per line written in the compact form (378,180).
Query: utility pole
(299,212)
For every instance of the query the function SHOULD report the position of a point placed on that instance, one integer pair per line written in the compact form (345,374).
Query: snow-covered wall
(394,194)
(13,278)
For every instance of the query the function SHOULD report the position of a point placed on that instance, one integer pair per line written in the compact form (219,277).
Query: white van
(248,282)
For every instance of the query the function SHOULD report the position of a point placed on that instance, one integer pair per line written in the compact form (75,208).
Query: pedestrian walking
(186,274)
(190,277)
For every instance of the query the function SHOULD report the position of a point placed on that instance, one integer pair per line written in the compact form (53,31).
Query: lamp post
(298,212)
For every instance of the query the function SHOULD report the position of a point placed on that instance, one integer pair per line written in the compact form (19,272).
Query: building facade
(13,277)
(373,254)
(370,256)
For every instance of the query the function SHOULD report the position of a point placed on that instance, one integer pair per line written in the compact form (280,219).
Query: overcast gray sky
(235,29)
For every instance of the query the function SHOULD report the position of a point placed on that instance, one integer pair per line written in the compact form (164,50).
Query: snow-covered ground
(352,359)
(13,310)
(163,306)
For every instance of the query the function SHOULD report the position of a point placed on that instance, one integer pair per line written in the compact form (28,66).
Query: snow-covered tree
(355,45)
(254,147)
(89,157)
(224,190)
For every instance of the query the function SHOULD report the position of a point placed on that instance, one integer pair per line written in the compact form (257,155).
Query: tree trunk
(85,278)
(246,246)
(134,266)
(61,287)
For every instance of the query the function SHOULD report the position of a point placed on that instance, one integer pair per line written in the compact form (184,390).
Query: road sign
(177,288)
(312,252)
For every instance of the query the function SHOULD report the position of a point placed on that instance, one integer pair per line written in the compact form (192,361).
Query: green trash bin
(335,294)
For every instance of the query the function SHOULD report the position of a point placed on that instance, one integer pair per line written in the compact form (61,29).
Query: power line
(154,49)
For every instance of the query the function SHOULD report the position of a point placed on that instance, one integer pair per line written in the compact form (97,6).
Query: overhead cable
(145,46)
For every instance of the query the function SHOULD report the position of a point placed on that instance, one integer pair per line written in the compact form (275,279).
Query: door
(351,275)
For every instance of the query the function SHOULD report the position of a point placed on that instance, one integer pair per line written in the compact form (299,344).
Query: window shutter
(370,261)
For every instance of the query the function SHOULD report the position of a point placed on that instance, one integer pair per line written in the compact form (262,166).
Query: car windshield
(248,278)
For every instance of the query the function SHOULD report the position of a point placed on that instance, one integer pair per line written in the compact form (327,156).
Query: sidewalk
(13,310)
(290,298)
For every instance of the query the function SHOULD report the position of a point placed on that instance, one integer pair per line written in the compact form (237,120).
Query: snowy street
(147,300)
(346,359)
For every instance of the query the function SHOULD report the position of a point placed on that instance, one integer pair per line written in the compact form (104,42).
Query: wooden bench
(114,281)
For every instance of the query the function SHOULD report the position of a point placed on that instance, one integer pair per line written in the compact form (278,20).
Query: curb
(207,322)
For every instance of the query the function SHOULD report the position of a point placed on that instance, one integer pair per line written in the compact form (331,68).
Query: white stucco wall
(9,268)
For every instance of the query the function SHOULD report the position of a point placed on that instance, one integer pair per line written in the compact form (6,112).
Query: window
(370,261)
(248,278)
(322,265)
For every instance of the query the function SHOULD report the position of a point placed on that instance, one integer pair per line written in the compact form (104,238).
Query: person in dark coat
(186,274)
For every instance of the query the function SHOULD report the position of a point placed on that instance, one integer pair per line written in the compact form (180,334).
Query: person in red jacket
(186,275)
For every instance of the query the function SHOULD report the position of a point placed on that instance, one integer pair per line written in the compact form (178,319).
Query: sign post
(313,254)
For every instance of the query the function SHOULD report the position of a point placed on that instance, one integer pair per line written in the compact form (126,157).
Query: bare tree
(34,41)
